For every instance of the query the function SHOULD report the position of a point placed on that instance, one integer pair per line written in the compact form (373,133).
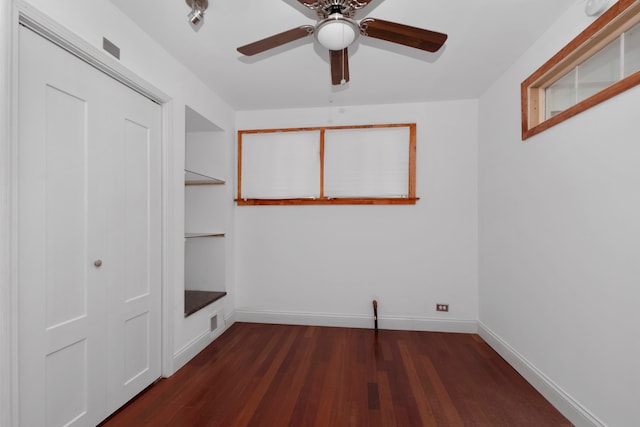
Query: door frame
(12,14)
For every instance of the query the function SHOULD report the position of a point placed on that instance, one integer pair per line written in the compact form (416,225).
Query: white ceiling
(485,37)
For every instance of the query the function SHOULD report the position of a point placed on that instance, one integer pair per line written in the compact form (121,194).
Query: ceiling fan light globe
(336,32)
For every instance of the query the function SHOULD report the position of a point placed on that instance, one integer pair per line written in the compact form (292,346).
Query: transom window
(601,62)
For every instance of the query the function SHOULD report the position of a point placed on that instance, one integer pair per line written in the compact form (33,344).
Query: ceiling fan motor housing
(326,8)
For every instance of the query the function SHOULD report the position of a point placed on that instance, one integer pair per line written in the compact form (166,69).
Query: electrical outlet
(442,307)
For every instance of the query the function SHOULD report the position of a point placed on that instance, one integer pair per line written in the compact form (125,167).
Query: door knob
(97,262)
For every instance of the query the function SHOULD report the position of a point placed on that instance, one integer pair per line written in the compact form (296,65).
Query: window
(372,164)
(281,165)
(601,62)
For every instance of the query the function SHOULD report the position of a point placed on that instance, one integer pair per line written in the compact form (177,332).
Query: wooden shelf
(194,178)
(196,235)
(196,300)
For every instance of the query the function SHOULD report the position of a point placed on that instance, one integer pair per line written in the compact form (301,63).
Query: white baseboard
(569,407)
(356,321)
(191,349)
(199,343)
(229,319)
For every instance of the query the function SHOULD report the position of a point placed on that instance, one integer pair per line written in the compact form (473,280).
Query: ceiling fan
(336,30)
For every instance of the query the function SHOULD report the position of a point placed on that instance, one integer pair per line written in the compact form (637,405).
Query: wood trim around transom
(616,20)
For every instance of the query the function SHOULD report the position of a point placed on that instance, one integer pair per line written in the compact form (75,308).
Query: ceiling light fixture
(336,32)
(197,10)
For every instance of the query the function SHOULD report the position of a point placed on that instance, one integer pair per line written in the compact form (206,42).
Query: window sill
(330,201)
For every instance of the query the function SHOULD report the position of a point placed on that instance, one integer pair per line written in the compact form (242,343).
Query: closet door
(133,242)
(88,239)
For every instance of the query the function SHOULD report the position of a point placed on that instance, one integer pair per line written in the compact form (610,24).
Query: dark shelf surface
(195,300)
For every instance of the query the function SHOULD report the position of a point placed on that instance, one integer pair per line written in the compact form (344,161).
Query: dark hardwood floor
(276,375)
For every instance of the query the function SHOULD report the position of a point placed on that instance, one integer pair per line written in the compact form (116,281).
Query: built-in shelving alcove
(205,221)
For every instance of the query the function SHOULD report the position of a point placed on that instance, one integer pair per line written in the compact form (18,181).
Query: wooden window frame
(411,198)
(610,25)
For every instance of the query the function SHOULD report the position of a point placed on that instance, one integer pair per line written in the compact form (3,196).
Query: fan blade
(276,40)
(339,66)
(414,37)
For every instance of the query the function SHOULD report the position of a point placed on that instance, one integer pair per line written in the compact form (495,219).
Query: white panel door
(134,244)
(88,237)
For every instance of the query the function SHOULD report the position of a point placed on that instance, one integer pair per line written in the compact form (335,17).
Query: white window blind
(366,162)
(281,165)
(362,164)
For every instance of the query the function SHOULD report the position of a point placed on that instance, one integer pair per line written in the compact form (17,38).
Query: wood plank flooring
(278,375)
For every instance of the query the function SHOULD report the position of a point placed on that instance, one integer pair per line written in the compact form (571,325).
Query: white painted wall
(7,327)
(140,54)
(325,264)
(559,228)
